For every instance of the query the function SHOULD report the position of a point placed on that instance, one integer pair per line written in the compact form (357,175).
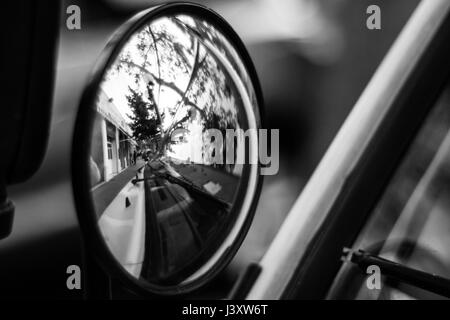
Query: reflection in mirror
(168,151)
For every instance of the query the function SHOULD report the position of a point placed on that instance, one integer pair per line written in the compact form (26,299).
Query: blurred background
(313,58)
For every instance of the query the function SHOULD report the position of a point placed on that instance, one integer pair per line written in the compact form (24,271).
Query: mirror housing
(216,257)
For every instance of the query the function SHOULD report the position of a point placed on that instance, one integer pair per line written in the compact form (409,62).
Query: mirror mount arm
(245,282)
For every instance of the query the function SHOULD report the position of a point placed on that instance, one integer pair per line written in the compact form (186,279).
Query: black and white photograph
(210,158)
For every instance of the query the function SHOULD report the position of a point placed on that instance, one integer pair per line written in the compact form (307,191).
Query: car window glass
(411,223)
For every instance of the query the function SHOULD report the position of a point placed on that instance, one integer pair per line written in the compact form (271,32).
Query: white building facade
(112,146)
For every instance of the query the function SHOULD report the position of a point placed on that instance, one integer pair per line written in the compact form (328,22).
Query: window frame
(304,257)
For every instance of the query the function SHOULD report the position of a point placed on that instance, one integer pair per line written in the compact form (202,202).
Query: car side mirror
(176,83)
